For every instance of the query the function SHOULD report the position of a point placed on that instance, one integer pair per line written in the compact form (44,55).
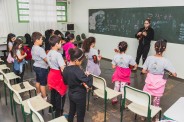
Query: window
(61,11)
(23,11)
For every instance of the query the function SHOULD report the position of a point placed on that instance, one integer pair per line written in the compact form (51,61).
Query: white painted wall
(16,27)
(22,28)
(106,44)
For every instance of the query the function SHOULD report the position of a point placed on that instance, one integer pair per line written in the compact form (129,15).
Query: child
(121,63)
(63,42)
(74,77)
(58,33)
(28,40)
(48,34)
(55,77)
(92,55)
(10,40)
(67,33)
(68,45)
(19,61)
(154,66)
(40,64)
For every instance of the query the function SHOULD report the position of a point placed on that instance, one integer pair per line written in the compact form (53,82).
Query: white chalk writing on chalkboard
(167,22)
(181,35)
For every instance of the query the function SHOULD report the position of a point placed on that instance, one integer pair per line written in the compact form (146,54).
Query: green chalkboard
(167,22)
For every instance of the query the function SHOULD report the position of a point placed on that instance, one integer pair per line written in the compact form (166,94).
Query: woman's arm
(138,33)
(150,34)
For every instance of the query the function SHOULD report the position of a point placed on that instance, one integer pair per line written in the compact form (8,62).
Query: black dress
(74,76)
(144,44)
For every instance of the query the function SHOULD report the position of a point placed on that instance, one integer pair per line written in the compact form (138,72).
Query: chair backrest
(1,77)
(78,38)
(36,117)
(83,36)
(137,96)
(5,79)
(99,82)
(17,98)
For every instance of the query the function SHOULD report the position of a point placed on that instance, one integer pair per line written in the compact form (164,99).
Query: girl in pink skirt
(121,63)
(154,66)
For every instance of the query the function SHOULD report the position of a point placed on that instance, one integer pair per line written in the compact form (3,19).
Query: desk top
(176,111)
(3,41)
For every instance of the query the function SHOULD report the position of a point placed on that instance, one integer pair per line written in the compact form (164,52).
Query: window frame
(63,3)
(66,10)
(18,12)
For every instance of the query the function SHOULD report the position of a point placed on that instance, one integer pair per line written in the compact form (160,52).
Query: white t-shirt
(18,53)
(91,52)
(10,44)
(156,65)
(55,59)
(123,60)
(38,55)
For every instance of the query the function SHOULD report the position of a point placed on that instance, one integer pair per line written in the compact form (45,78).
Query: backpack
(27,50)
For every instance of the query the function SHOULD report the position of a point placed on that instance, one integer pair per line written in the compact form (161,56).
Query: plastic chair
(78,38)
(36,117)
(141,103)
(1,61)
(78,41)
(16,87)
(38,103)
(10,76)
(83,36)
(1,79)
(4,67)
(103,91)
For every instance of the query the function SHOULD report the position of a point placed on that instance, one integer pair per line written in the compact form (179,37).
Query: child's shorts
(41,75)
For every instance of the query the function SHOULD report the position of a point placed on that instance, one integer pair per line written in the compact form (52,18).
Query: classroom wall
(22,28)
(106,44)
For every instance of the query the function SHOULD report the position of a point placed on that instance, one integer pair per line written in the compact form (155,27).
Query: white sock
(45,98)
(39,94)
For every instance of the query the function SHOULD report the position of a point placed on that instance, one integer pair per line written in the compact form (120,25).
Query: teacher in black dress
(144,35)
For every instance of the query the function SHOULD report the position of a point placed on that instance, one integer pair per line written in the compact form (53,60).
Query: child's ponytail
(160,46)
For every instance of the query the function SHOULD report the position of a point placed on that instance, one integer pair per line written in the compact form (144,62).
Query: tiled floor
(174,90)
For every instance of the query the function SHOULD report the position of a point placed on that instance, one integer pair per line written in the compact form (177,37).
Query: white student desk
(3,43)
(176,111)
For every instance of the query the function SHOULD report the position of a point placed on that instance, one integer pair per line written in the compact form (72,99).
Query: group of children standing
(154,66)
(63,72)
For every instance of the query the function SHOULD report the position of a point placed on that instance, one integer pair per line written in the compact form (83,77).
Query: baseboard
(140,68)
